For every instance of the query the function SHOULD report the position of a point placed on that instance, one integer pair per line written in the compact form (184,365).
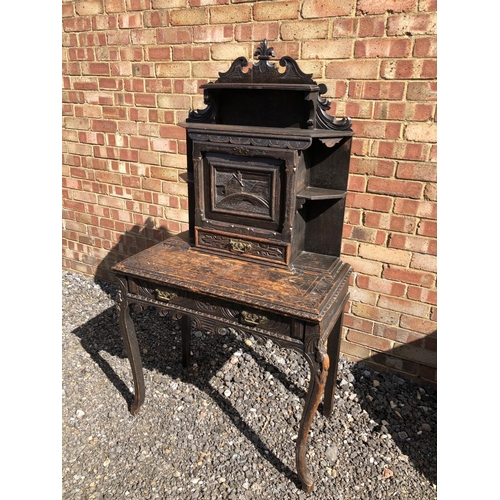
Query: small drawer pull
(253,318)
(240,246)
(165,295)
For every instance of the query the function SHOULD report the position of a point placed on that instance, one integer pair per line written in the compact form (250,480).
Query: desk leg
(319,372)
(131,346)
(186,340)
(333,354)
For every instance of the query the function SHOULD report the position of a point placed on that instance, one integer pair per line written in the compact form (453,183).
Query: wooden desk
(300,307)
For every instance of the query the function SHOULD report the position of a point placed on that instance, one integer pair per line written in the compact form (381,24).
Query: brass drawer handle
(253,318)
(240,246)
(165,295)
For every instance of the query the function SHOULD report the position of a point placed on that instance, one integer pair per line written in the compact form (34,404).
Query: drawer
(245,248)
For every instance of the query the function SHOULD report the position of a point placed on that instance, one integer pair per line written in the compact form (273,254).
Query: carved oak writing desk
(268,172)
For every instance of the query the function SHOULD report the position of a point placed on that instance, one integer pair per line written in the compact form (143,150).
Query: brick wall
(131,72)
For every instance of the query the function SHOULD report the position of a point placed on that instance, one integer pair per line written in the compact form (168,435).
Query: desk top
(306,290)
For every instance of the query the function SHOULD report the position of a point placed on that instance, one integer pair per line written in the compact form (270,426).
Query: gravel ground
(226,427)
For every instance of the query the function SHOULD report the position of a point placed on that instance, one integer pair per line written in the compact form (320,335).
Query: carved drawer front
(275,324)
(244,190)
(246,248)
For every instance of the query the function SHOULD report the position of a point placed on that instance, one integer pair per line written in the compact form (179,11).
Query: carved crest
(265,71)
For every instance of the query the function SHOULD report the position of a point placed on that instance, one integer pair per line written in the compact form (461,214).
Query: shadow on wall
(132,242)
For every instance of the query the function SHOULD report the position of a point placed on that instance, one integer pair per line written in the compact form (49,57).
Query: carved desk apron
(298,307)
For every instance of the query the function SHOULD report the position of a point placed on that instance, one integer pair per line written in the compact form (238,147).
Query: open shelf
(316,193)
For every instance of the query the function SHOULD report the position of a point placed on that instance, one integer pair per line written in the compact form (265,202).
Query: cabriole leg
(319,365)
(131,346)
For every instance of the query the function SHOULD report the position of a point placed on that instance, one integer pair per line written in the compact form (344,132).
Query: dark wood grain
(267,172)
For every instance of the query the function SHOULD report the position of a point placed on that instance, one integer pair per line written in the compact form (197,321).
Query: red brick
(375,313)
(138,5)
(422,91)
(190,53)
(159,85)
(411,24)
(105,152)
(381,285)
(172,132)
(352,69)
(253,31)
(103,126)
(340,48)
(382,6)
(381,254)
(115,5)
(359,324)
(404,306)
(409,69)
(130,20)
(365,266)
(165,36)
(414,243)
(371,341)
(409,276)
(311,30)
(159,53)
(357,183)
(422,295)
(104,22)
(424,262)
(417,171)
(345,27)
(327,8)
(354,352)
(376,90)
(91,138)
(390,222)
(421,132)
(427,228)
(371,26)
(368,201)
(233,14)
(164,145)
(399,335)
(143,36)
(382,47)
(424,209)
(372,166)
(77,24)
(189,17)
(377,129)
(145,70)
(400,150)
(425,47)
(145,100)
(395,187)
(155,19)
(418,324)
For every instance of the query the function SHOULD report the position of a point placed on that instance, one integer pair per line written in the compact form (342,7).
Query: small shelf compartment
(317,193)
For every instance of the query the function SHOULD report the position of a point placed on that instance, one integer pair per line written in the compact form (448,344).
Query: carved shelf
(317,193)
